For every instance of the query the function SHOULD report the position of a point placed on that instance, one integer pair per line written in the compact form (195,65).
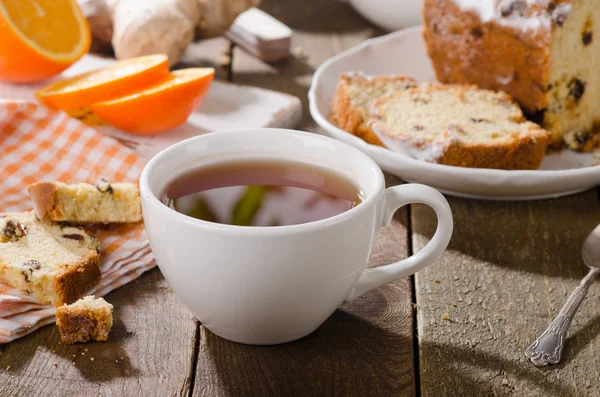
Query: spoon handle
(548,347)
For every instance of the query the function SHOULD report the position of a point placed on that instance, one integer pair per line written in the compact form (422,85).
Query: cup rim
(147,193)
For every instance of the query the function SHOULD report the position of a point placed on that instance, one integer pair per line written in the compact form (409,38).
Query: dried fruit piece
(33,264)
(13,231)
(560,13)
(456,129)
(576,89)
(578,140)
(538,116)
(73,236)
(513,7)
(420,99)
(477,32)
(104,186)
(29,267)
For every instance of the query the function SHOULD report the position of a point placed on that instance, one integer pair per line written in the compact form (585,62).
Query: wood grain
(508,270)
(364,349)
(214,53)
(149,351)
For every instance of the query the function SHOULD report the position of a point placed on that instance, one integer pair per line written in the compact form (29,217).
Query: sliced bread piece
(354,97)
(459,125)
(82,202)
(542,52)
(87,319)
(54,263)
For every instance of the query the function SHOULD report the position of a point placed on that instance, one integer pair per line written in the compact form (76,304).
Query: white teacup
(269,285)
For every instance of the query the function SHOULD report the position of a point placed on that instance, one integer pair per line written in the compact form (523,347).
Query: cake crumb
(446,317)
(53,351)
(453,304)
(300,54)
(82,353)
(8,367)
(55,364)
(116,361)
(98,315)
(436,281)
(91,358)
(85,349)
(39,348)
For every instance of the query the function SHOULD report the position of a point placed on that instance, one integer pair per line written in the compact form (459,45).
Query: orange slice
(117,80)
(40,38)
(161,106)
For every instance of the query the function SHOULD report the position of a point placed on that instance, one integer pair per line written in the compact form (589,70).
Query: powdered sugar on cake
(512,12)
(505,80)
(430,150)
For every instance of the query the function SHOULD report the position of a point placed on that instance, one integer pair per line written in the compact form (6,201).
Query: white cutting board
(227,106)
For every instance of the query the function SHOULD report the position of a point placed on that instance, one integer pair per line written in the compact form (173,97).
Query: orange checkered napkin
(38,144)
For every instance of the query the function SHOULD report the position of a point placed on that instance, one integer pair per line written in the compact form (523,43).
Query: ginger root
(139,27)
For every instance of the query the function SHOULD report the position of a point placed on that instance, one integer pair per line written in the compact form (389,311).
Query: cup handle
(394,198)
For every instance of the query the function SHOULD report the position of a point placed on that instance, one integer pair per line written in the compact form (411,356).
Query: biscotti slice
(54,263)
(87,319)
(354,96)
(82,202)
(543,53)
(459,125)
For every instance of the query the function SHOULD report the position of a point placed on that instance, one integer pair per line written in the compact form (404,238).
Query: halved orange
(41,38)
(117,80)
(159,107)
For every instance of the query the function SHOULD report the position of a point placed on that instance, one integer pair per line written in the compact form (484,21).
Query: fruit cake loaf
(87,319)
(459,125)
(82,202)
(542,52)
(353,99)
(55,263)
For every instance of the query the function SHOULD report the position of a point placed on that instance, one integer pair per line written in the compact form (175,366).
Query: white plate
(403,52)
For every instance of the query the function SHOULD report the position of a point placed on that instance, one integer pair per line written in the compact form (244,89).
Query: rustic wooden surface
(150,351)
(508,270)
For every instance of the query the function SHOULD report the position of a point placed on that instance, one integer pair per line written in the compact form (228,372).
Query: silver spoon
(548,347)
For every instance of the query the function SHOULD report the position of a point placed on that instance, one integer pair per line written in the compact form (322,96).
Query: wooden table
(458,328)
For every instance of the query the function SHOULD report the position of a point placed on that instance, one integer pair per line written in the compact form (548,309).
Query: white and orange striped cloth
(37,144)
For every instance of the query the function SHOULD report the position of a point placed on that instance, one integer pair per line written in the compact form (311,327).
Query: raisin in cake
(103,203)
(459,125)
(354,96)
(542,52)
(54,263)
(87,319)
